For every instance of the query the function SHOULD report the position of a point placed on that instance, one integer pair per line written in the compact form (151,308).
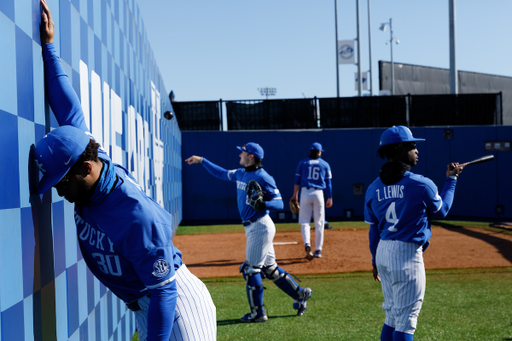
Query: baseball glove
(294,206)
(255,195)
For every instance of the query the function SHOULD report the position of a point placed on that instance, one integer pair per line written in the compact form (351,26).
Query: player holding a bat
(399,206)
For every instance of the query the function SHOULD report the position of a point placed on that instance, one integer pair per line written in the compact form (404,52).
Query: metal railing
(342,112)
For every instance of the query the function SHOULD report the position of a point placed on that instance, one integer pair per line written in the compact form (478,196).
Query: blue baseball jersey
(124,235)
(314,173)
(402,211)
(125,239)
(272,196)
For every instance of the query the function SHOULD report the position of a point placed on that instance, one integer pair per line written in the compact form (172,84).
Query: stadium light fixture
(267,91)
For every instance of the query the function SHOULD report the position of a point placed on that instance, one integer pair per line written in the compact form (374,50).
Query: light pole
(359,78)
(391,38)
(370,48)
(336,34)
(454,81)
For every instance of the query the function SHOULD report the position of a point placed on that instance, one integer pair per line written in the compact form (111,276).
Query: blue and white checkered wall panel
(46,290)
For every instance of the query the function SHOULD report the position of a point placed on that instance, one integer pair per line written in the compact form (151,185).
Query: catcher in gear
(257,193)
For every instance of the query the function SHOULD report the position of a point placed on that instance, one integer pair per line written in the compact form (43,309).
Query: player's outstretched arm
(454,168)
(194,159)
(447,194)
(47,28)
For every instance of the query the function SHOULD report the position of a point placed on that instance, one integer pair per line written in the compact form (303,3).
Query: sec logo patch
(160,268)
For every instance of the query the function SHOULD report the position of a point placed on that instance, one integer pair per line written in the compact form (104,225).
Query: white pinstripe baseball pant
(259,249)
(195,316)
(312,202)
(403,280)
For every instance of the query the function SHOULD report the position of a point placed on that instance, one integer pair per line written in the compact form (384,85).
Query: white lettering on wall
(116,119)
(141,152)
(106,118)
(103,114)
(132,144)
(97,119)
(84,93)
(158,145)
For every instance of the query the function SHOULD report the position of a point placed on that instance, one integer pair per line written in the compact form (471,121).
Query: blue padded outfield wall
(46,290)
(352,153)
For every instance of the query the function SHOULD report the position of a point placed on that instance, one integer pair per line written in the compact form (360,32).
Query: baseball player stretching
(313,175)
(259,231)
(399,206)
(124,236)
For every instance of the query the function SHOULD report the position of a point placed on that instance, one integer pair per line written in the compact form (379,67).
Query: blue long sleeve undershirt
(223,174)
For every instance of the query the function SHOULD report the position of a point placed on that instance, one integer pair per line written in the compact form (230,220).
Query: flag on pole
(346,52)
(364,80)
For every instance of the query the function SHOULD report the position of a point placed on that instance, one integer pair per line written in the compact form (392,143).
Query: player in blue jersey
(312,177)
(399,206)
(124,236)
(259,231)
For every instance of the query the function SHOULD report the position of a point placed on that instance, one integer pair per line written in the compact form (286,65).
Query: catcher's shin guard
(283,280)
(254,287)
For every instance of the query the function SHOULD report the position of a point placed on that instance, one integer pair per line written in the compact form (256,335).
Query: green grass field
(459,304)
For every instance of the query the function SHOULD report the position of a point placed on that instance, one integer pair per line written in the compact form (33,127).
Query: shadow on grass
(219,262)
(237,321)
(503,246)
(232,262)
(292,261)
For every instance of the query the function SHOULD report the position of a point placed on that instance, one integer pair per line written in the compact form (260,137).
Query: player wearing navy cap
(312,177)
(124,236)
(399,206)
(259,231)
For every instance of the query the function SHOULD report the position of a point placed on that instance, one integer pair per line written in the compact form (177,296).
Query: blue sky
(207,50)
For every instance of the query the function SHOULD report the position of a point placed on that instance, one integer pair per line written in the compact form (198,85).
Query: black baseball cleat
(254,317)
(309,255)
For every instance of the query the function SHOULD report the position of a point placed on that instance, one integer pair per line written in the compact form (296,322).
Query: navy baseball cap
(57,152)
(397,134)
(253,148)
(316,146)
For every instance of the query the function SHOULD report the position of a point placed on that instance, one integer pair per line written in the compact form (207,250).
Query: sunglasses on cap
(409,145)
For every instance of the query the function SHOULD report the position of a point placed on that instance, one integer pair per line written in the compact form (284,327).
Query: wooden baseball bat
(482,159)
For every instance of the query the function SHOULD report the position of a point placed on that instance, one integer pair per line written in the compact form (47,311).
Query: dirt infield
(345,250)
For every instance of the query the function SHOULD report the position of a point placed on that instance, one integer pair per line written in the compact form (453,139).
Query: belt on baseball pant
(249,222)
(134,306)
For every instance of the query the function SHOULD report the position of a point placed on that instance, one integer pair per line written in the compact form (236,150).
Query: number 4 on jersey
(391,217)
